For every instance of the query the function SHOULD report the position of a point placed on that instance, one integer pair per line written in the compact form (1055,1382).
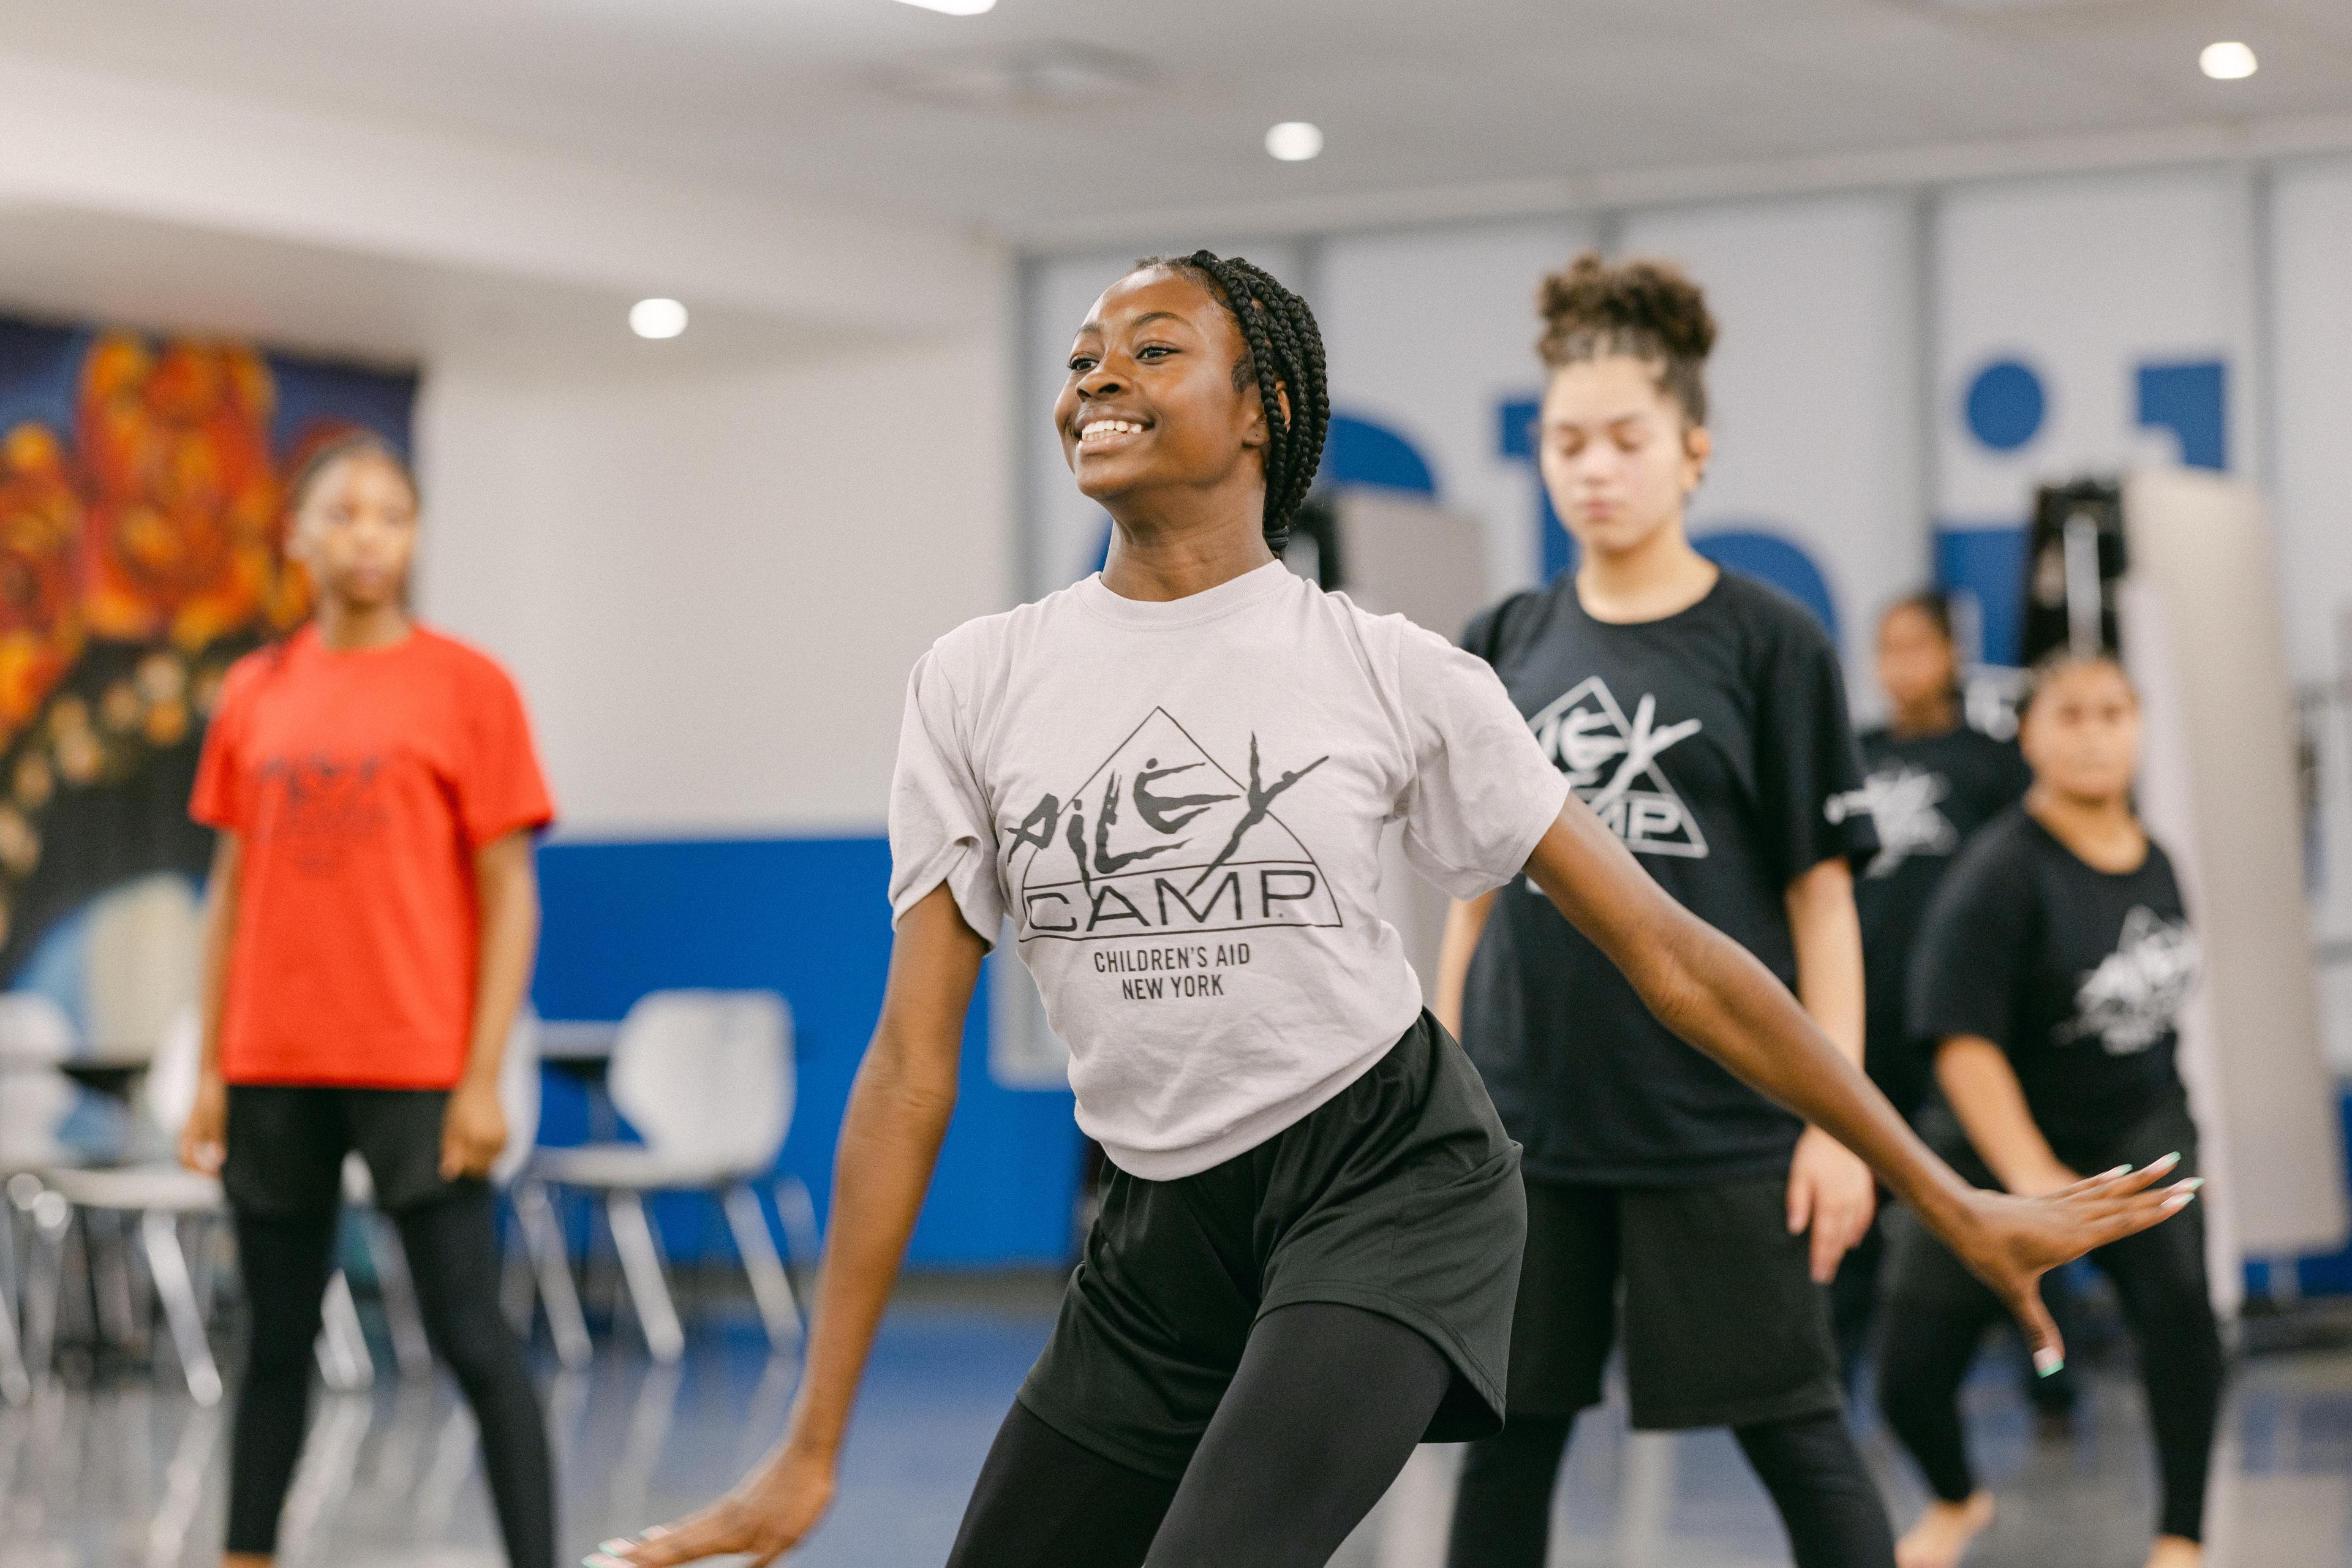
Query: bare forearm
(1465,922)
(890,1136)
(1984,1093)
(220,940)
(1714,993)
(508,888)
(1827,935)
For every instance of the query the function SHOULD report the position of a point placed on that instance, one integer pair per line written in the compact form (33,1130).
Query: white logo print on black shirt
(1903,804)
(1612,766)
(2133,998)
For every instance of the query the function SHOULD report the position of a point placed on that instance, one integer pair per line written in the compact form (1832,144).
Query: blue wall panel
(806,918)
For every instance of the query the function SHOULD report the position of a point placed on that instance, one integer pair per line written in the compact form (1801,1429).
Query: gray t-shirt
(1180,805)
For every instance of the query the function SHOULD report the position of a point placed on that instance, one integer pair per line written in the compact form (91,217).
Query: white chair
(35,1099)
(707,1079)
(163,1197)
(159,1195)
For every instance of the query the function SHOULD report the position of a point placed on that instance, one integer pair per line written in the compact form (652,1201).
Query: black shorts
(287,1143)
(1723,1323)
(1400,1197)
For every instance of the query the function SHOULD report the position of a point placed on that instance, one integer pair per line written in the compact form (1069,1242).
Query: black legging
(1322,1413)
(1937,1311)
(452,1251)
(1828,1502)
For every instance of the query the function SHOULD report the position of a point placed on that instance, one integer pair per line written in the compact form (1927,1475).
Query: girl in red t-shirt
(374,913)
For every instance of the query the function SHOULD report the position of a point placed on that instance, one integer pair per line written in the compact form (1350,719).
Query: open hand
(1834,1193)
(2011,1242)
(767,1514)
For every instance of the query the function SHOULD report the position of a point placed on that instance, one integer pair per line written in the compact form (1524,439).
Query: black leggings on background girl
(1937,1313)
(2050,973)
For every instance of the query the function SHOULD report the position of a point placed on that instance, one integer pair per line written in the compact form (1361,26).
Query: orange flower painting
(143,549)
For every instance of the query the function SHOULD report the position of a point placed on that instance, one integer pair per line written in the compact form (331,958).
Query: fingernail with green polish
(2047,1364)
(2168,1160)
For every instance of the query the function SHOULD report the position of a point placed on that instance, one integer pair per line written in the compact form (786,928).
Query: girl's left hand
(1832,1192)
(2011,1242)
(472,1131)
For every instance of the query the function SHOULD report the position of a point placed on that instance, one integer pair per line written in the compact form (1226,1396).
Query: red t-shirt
(362,783)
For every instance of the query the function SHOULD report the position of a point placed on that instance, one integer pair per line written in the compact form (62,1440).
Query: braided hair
(1282,349)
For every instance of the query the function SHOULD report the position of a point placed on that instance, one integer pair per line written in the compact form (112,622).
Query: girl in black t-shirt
(2052,972)
(1930,783)
(1703,716)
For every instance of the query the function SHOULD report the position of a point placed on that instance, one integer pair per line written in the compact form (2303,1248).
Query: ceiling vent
(1036,77)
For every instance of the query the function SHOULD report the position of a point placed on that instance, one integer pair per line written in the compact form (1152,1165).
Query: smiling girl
(1172,780)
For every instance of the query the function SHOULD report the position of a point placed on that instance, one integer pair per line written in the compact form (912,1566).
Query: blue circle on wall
(2005,404)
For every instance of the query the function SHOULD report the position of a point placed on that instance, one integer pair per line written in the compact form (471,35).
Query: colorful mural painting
(141,551)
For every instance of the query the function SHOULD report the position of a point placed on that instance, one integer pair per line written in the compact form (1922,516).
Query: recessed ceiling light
(1295,141)
(2227,61)
(657,318)
(955,7)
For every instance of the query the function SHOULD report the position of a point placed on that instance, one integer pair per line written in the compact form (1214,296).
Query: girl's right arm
(204,1137)
(1464,923)
(1982,1088)
(898,1111)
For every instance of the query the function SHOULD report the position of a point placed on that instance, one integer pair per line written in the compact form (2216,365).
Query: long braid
(1285,351)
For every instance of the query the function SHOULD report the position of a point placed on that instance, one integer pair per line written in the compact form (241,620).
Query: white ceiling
(813,96)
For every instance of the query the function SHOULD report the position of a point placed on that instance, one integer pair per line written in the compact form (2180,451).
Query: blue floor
(129,1473)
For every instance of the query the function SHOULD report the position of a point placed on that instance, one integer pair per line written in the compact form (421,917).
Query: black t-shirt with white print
(1713,741)
(2079,974)
(1927,795)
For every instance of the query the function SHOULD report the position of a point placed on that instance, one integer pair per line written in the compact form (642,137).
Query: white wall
(712,585)
(710,561)
(1428,333)
(1813,385)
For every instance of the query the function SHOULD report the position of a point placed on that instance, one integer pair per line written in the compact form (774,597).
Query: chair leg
(108,1248)
(804,1247)
(169,1266)
(542,1238)
(15,1383)
(641,1266)
(771,1288)
(343,1351)
(45,1283)
(412,1352)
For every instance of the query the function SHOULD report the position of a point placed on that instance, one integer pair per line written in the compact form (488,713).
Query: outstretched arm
(898,1113)
(1714,993)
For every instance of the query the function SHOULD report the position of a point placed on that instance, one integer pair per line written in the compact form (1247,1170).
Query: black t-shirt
(2078,974)
(1926,797)
(1713,741)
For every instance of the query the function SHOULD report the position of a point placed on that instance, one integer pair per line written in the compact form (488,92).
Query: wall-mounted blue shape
(1514,437)
(1988,564)
(2005,404)
(807,918)
(2191,399)
(1776,559)
(1359,451)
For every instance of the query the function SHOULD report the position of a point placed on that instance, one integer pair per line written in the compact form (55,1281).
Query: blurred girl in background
(372,917)
(2051,975)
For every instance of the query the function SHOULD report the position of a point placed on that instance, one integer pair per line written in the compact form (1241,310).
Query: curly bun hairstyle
(1650,310)
(1282,349)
